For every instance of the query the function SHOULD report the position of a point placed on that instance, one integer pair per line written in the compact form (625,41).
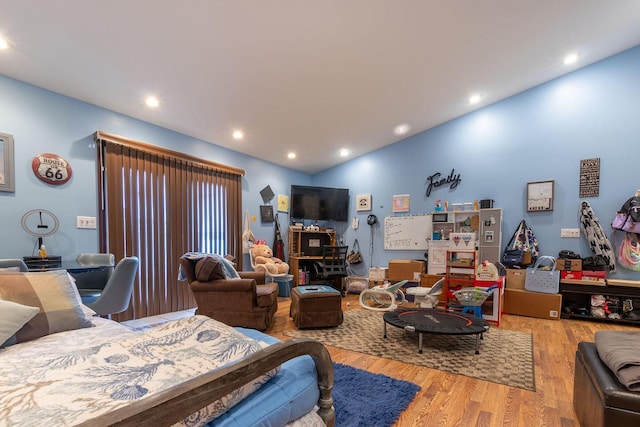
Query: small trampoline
(434,321)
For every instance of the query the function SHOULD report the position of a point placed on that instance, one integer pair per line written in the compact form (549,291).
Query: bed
(67,367)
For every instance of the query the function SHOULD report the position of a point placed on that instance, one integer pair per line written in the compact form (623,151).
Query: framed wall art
(7,176)
(266,213)
(401,203)
(283,203)
(540,196)
(363,202)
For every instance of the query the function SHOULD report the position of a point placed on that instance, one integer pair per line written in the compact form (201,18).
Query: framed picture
(401,203)
(266,213)
(540,196)
(363,202)
(7,177)
(283,203)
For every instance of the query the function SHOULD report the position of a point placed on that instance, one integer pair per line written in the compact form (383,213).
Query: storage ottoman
(316,306)
(599,399)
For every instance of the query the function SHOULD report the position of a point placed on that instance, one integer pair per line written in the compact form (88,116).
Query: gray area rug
(506,357)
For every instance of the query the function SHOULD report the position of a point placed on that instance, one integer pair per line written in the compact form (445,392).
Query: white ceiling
(299,75)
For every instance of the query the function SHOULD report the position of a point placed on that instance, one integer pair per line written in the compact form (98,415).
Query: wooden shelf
(577,293)
(301,240)
(460,273)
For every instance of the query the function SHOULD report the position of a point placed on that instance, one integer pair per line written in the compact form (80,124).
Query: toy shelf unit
(469,230)
(601,302)
(460,273)
(445,223)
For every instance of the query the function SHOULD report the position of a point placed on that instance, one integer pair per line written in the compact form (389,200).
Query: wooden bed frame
(177,403)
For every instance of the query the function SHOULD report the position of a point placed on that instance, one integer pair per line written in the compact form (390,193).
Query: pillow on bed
(53,293)
(13,317)
(88,312)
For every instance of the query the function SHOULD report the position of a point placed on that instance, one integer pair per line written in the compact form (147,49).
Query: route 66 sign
(51,168)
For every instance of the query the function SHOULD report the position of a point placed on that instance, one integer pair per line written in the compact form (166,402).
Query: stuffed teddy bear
(264,260)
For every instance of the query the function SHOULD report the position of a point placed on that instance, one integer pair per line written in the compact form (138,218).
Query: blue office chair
(116,294)
(14,262)
(92,281)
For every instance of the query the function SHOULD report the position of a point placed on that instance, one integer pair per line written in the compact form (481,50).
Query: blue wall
(42,121)
(540,134)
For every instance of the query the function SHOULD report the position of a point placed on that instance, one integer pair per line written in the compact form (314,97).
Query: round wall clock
(40,223)
(51,168)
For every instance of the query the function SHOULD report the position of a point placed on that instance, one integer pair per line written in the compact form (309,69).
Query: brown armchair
(247,301)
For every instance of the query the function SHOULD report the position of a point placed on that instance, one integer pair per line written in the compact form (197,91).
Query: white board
(406,232)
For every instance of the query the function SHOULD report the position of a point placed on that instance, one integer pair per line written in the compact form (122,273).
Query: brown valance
(153,149)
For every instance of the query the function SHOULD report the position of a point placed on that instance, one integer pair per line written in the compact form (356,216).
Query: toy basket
(473,296)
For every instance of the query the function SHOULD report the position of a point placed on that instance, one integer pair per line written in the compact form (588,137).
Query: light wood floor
(453,400)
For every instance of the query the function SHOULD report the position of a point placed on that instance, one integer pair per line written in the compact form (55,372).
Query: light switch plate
(570,232)
(86,222)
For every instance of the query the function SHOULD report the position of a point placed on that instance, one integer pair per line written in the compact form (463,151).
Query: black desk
(91,277)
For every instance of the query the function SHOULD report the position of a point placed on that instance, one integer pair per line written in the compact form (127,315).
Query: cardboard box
(403,269)
(515,278)
(378,273)
(532,304)
(563,264)
(428,280)
(598,276)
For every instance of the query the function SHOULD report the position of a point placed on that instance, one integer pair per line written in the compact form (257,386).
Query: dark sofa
(599,399)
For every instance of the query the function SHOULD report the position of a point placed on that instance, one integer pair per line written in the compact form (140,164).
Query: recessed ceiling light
(344,152)
(401,129)
(4,43)
(291,155)
(152,101)
(474,99)
(571,58)
(238,134)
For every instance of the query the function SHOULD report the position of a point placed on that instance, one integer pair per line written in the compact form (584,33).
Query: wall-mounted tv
(319,203)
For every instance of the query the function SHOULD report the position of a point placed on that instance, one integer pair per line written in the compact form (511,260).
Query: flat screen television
(319,203)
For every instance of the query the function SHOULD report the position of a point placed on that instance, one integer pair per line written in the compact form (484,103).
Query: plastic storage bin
(284,285)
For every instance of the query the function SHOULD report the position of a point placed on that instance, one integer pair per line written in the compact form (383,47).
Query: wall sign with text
(590,177)
(51,168)
(437,180)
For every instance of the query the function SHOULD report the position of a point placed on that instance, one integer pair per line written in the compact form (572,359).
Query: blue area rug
(364,399)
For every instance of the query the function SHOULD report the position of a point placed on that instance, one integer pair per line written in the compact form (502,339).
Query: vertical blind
(157,204)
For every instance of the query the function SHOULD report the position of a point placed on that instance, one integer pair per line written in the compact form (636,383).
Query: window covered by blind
(158,204)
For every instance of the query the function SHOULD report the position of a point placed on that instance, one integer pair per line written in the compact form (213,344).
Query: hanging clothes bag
(247,235)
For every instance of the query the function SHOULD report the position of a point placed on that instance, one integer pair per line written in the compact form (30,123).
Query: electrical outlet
(570,232)
(86,222)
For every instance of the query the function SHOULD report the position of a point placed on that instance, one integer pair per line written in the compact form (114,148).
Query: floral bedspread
(71,377)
